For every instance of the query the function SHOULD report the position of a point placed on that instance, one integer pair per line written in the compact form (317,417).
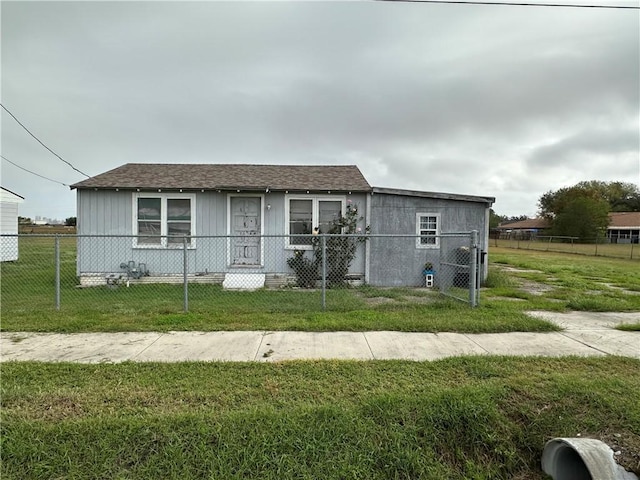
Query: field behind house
(598,247)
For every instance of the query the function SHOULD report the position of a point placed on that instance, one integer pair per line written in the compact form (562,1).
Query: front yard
(519,281)
(458,418)
(471,417)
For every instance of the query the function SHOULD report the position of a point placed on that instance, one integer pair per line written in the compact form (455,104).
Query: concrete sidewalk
(584,334)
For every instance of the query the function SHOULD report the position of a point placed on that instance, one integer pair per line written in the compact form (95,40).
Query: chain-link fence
(628,247)
(130,275)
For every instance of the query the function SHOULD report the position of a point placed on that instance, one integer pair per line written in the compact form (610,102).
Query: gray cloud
(501,101)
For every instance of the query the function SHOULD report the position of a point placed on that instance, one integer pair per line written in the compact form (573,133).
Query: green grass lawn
(574,283)
(615,250)
(456,418)
(474,417)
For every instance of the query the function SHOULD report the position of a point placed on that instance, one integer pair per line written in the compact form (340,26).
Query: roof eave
(226,188)
(437,195)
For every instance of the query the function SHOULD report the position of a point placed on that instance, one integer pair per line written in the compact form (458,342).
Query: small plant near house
(340,251)
(306,269)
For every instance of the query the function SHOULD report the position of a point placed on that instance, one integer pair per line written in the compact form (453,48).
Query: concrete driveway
(584,334)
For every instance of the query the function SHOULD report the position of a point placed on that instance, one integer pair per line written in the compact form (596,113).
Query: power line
(34,173)
(514,4)
(27,130)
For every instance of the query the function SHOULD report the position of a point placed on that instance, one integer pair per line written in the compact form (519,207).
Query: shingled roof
(528,224)
(624,220)
(617,220)
(230,177)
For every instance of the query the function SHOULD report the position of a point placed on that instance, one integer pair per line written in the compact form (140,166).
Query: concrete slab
(586,333)
(278,346)
(203,346)
(75,347)
(243,281)
(552,344)
(588,320)
(420,346)
(612,342)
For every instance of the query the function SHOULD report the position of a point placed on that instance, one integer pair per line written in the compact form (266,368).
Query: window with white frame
(163,219)
(308,212)
(428,229)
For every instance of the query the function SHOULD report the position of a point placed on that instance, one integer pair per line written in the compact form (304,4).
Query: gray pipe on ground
(581,459)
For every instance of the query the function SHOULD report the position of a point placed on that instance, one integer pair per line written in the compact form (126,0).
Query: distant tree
(24,221)
(582,210)
(620,197)
(514,218)
(582,217)
(494,219)
(70,222)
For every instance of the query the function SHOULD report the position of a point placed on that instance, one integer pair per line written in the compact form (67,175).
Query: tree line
(581,210)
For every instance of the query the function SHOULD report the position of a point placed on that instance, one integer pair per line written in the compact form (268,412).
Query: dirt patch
(529,286)
(518,270)
(60,408)
(620,289)
(510,299)
(373,301)
(534,288)
(626,449)
(419,299)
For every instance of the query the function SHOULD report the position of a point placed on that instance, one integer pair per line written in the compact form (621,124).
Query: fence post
(596,254)
(184,274)
(57,261)
(324,272)
(631,247)
(473,269)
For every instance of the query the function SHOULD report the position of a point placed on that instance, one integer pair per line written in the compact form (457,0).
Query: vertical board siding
(107,212)
(397,261)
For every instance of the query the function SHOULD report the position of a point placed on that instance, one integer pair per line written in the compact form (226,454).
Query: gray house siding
(110,213)
(396,214)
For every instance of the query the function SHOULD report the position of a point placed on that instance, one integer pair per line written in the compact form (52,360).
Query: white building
(9,224)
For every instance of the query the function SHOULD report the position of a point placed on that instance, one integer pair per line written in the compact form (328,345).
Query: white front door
(245,230)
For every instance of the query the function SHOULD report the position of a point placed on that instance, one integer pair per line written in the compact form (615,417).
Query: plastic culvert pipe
(581,459)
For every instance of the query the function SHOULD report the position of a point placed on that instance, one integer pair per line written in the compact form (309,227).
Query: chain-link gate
(459,273)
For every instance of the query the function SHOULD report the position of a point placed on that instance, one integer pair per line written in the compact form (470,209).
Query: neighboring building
(624,227)
(251,202)
(9,202)
(524,229)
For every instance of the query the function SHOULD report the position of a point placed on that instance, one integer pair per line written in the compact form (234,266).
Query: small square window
(428,230)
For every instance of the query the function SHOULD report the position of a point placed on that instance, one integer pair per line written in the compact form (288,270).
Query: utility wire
(34,173)
(27,130)
(514,4)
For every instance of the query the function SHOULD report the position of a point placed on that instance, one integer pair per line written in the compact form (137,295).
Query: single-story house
(9,202)
(624,227)
(261,207)
(524,229)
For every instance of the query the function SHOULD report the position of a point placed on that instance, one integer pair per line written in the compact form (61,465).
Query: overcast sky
(503,101)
